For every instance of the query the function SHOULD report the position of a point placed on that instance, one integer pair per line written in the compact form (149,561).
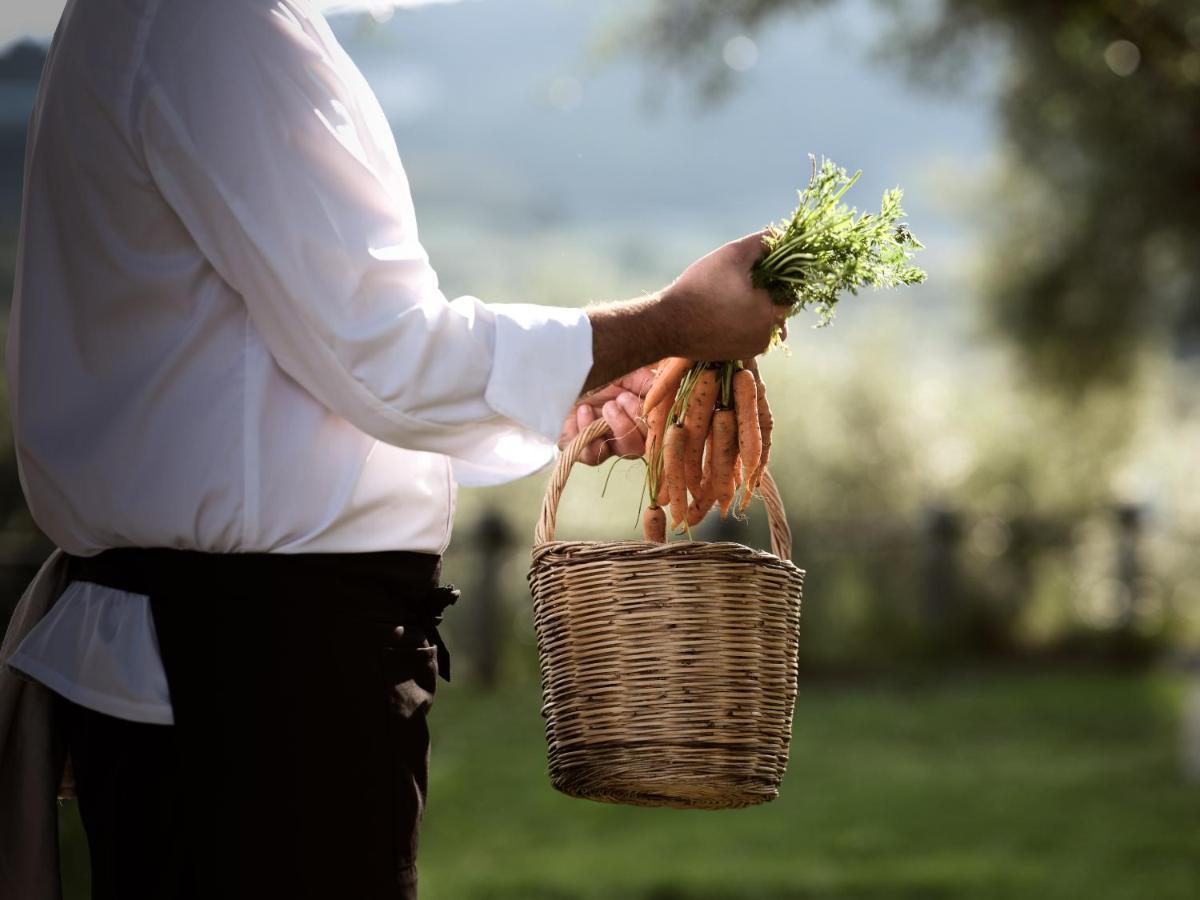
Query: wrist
(662,325)
(627,335)
(676,322)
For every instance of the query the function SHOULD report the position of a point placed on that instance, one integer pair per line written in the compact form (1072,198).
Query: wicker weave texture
(668,670)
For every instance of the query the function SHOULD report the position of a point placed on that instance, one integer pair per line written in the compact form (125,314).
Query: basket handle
(781,535)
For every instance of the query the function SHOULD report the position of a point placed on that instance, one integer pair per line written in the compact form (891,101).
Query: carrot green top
(826,248)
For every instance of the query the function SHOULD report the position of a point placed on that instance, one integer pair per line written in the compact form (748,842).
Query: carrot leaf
(827,249)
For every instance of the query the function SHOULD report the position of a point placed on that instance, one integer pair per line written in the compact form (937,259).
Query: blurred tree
(1097,246)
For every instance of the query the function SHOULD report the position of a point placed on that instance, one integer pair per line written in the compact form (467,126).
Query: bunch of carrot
(709,426)
(709,433)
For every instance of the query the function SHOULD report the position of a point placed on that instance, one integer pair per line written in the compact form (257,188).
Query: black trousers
(298,762)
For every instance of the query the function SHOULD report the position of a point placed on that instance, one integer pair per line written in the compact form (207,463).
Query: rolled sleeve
(531,342)
(540,358)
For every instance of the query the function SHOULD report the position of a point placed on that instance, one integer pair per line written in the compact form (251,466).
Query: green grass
(977,785)
(982,786)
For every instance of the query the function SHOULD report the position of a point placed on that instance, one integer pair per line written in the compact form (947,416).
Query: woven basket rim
(649,550)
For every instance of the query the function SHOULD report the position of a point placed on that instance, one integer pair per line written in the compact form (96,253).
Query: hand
(620,404)
(710,312)
(718,312)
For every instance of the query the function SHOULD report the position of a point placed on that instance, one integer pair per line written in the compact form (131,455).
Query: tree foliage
(1097,257)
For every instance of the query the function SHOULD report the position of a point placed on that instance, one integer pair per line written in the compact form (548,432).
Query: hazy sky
(21,18)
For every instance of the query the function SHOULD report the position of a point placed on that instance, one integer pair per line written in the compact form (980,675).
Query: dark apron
(298,762)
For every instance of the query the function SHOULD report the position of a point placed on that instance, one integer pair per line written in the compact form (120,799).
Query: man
(241,404)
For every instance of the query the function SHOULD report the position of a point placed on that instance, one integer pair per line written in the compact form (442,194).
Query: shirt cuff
(541,358)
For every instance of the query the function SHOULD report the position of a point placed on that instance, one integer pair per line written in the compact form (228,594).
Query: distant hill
(20,68)
(22,61)
(12,159)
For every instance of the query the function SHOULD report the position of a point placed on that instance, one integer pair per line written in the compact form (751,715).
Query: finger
(632,404)
(601,395)
(624,428)
(626,440)
(569,430)
(585,416)
(638,381)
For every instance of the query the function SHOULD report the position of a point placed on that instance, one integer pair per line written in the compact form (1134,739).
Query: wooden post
(1130,518)
(943,531)
(493,537)
(1191,729)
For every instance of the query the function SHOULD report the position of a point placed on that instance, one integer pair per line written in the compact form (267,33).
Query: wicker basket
(668,670)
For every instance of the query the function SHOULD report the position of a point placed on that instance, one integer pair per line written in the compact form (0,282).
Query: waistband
(158,570)
(374,579)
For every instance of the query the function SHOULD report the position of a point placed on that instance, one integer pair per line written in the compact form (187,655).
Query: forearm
(628,334)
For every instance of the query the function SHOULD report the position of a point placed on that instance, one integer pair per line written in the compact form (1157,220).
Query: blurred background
(991,478)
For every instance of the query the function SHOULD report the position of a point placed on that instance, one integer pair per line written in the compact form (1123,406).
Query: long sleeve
(269,146)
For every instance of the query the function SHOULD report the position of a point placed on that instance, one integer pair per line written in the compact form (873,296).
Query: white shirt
(225,333)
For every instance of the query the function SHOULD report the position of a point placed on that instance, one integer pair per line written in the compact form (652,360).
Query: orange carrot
(666,383)
(654,524)
(673,447)
(745,404)
(703,502)
(656,423)
(724,457)
(697,421)
(766,424)
(706,478)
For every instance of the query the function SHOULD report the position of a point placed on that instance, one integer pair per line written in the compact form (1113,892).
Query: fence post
(1130,519)
(493,537)
(943,530)
(1191,729)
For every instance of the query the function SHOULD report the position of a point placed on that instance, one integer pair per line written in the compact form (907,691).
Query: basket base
(671,795)
(641,776)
